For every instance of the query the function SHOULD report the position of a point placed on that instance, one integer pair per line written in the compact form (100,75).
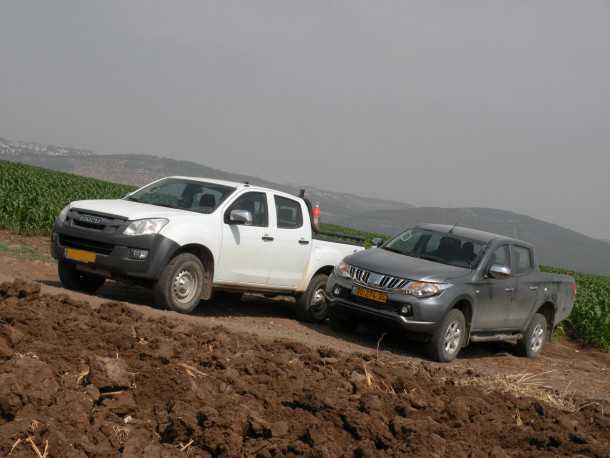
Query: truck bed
(340,238)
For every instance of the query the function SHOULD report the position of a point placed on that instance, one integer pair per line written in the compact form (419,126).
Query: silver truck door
(494,296)
(526,292)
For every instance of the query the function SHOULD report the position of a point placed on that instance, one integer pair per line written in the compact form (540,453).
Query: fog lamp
(406,310)
(337,291)
(136,253)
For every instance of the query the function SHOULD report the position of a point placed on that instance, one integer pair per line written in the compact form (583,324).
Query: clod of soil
(111,382)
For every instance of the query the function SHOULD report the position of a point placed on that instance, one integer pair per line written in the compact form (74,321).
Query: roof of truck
(469,233)
(234,184)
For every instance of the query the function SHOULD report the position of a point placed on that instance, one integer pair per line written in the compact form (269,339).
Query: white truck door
(246,249)
(293,242)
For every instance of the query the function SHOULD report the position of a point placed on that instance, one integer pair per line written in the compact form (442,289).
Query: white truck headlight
(145,226)
(63,214)
(342,270)
(423,289)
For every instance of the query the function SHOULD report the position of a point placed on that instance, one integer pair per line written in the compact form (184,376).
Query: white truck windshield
(196,196)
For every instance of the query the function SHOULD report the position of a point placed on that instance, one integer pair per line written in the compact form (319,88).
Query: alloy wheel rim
(318,302)
(184,286)
(453,337)
(537,338)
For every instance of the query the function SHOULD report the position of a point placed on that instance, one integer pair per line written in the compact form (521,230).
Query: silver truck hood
(397,265)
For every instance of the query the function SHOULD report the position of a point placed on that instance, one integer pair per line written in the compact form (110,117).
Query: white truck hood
(128,209)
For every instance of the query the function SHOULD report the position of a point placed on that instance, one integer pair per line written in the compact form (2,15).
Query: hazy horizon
(503,105)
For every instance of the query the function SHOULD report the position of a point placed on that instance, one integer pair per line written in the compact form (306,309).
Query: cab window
(289,213)
(522,259)
(256,204)
(500,256)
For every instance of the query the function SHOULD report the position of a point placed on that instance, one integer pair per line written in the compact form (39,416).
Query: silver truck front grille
(374,279)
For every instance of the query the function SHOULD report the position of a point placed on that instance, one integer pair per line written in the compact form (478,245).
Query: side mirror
(499,271)
(377,241)
(240,217)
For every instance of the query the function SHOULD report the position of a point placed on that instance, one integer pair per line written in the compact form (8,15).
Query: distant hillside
(556,245)
(139,169)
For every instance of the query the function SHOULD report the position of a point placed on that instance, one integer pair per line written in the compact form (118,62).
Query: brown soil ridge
(113,382)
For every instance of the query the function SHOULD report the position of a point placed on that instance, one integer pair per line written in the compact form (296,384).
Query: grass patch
(22,252)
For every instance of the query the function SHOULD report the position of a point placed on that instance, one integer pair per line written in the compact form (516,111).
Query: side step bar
(496,337)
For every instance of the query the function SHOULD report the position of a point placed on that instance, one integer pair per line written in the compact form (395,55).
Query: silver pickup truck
(452,286)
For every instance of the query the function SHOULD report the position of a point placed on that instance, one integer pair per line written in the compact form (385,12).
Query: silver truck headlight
(342,270)
(63,214)
(423,289)
(145,226)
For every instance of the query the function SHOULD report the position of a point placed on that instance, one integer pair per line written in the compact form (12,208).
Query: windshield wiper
(393,250)
(432,258)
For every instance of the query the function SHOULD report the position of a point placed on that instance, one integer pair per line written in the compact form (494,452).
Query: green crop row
(590,318)
(31,197)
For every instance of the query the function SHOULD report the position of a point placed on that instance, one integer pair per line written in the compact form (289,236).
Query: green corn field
(590,318)
(31,198)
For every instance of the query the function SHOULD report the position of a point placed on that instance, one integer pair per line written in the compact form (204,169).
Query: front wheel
(449,337)
(181,283)
(533,341)
(75,280)
(311,306)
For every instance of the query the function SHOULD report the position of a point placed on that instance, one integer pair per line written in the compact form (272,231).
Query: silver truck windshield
(196,196)
(438,247)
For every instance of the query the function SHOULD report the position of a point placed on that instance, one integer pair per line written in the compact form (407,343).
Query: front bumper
(423,317)
(112,252)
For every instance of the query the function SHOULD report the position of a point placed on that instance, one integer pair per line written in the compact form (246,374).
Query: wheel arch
(311,274)
(548,310)
(207,259)
(323,270)
(464,305)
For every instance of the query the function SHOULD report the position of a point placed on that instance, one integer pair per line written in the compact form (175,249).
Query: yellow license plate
(371,294)
(80,255)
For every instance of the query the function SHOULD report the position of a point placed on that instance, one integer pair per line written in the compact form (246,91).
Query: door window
(523,259)
(500,256)
(256,204)
(289,213)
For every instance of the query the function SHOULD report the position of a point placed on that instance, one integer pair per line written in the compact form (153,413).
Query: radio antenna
(452,228)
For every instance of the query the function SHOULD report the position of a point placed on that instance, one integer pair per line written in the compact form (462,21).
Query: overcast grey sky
(501,104)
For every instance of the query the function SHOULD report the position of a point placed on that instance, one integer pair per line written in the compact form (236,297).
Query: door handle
(533,288)
(304,242)
(267,238)
(509,290)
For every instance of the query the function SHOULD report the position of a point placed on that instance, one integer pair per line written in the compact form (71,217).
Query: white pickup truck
(190,238)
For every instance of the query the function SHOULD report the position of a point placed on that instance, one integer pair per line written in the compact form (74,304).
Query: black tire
(342,323)
(75,280)
(449,337)
(180,285)
(533,340)
(311,306)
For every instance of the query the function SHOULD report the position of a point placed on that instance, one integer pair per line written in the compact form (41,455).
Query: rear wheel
(311,306)
(181,283)
(533,341)
(449,337)
(75,280)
